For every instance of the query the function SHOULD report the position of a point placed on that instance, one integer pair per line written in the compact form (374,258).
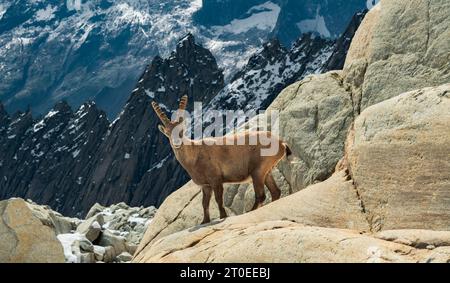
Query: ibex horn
(161,115)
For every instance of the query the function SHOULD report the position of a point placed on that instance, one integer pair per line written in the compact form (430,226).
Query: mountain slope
(96,50)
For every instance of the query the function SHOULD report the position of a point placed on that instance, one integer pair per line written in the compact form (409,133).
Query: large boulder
(314,116)
(92,227)
(400,46)
(398,154)
(282,241)
(58,222)
(24,237)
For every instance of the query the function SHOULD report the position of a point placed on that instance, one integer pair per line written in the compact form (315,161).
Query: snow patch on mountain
(46,14)
(269,70)
(316,25)
(73,5)
(3,8)
(262,17)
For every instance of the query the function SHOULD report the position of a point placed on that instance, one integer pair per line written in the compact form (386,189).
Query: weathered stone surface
(267,242)
(315,114)
(99,252)
(418,238)
(124,257)
(87,258)
(180,210)
(400,46)
(25,238)
(131,222)
(109,239)
(61,224)
(109,254)
(95,209)
(91,227)
(333,203)
(398,154)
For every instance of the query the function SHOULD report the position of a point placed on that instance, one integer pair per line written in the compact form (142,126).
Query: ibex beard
(211,162)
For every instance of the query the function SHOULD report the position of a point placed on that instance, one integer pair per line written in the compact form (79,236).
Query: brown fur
(211,166)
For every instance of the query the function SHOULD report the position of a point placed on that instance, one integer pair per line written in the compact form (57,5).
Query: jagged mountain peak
(62,106)
(187,41)
(191,69)
(271,50)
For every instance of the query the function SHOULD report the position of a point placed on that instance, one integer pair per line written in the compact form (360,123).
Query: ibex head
(172,130)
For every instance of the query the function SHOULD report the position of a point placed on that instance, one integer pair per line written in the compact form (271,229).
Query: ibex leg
(218,194)
(205,202)
(260,196)
(275,192)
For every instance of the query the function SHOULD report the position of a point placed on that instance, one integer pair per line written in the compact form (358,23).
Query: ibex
(212,162)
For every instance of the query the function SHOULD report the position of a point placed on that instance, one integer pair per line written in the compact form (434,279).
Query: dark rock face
(72,160)
(47,159)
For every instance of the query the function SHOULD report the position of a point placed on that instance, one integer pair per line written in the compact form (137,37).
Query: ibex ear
(162,130)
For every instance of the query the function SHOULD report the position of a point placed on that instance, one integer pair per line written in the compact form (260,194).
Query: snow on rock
(68,241)
(316,25)
(121,232)
(46,14)
(270,70)
(262,17)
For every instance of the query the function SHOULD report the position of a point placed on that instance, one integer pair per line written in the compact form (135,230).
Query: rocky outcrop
(358,197)
(26,237)
(398,153)
(394,162)
(332,203)
(109,234)
(283,241)
(400,46)
(31,233)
